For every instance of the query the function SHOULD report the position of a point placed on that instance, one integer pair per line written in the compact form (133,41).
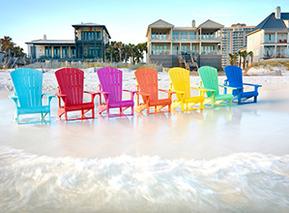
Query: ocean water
(241,182)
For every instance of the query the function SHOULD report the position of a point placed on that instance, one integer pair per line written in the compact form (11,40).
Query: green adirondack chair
(209,80)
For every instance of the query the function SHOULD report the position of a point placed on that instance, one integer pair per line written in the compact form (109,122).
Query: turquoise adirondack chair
(28,94)
(209,78)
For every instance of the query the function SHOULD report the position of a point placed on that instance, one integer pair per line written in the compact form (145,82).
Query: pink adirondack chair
(71,91)
(111,88)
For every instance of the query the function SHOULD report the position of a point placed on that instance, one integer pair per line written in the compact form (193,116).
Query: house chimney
(278,13)
(44,37)
(193,23)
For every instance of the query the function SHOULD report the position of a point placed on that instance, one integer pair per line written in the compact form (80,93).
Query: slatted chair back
(28,87)
(110,80)
(147,79)
(71,84)
(180,79)
(209,77)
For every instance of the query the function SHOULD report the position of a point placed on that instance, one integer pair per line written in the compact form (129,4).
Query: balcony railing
(185,38)
(211,52)
(160,37)
(210,37)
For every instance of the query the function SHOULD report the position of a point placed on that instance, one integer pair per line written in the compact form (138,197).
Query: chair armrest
(254,85)
(199,89)
(60,95)
(208,90)
(228,87)
(49,97)
(165,91)
(91,93)
(178,92)
(143,93)
(15,99)
(131,91)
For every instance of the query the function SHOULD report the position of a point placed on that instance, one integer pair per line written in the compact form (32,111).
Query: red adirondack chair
(147,79)
(71,92)
(110,87)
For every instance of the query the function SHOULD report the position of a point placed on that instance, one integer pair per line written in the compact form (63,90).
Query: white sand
(220,160)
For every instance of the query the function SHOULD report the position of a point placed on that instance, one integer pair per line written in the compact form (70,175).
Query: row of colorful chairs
(28,91)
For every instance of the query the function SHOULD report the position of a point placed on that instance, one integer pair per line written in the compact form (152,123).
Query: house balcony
(160,38)
(280,52)
(210,38)
(216,52)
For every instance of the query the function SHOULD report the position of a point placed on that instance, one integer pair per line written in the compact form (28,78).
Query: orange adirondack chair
(71,92)
(147,88)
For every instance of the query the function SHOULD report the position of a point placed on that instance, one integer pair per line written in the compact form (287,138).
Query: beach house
(89,43)
(165,42)
(270,38)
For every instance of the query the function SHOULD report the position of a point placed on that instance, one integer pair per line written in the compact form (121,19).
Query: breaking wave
(244,182)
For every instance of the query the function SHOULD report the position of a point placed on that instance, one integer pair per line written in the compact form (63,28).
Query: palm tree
(6,44)
(233,58)
(251,55)
(244,55)
(18,52)
(240,58)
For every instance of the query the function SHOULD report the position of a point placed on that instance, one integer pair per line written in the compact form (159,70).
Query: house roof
(271,23)
(161,24)
(285,16)
(55,42)
(209,24)
(91,25)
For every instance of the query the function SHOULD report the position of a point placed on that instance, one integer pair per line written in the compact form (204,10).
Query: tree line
(117,51)
(11,55)
(241,58)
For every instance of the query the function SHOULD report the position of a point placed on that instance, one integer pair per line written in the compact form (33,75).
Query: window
(64,52)
(48,52)
(56,52)
(73,52)
(269,37)
(91,36)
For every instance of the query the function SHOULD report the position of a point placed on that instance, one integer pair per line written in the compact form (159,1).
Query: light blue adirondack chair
(28,94)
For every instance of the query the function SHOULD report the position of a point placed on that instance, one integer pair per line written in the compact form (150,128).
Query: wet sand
(261,128)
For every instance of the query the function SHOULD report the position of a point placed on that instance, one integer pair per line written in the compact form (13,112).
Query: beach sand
(212,133)
(224,159)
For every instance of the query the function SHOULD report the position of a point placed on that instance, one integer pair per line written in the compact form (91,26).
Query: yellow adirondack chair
(180,85)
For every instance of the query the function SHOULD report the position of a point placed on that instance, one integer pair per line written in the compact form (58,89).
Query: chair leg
(182,107)
(255,99)
(202,105)
(92,112)
(132,110)
(239,100)
(17,118)
(148,110)
(65,115)
(169,108)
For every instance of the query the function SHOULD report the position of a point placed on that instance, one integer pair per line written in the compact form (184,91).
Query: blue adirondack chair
(235,79)
(28,94)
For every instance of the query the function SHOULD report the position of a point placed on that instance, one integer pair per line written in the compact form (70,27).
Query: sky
(126,20)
